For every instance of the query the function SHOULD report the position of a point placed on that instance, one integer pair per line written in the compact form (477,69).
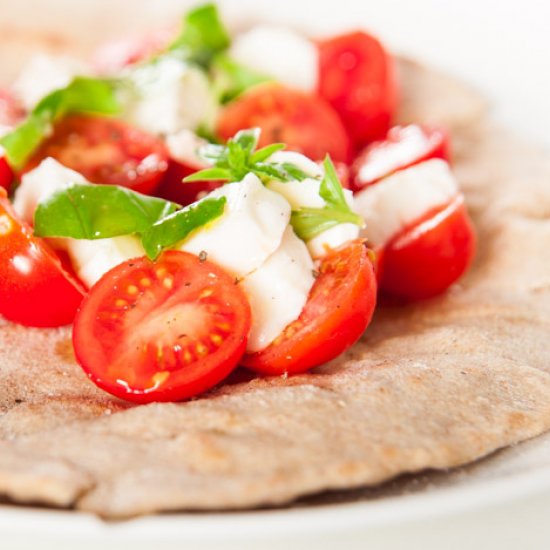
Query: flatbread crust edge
(430,386)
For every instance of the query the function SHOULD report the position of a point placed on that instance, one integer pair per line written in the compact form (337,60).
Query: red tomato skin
(101,333)
(304,122)
(6,173)
(35,290)
(106,150)
(428,257)
(172,188)
(358,78)
(325,328)
(403,147)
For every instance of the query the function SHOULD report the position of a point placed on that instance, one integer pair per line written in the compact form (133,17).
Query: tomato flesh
(35,290)
(403,147)
(357,77)
(106,150)
(338,310)
(426,258)
(306,123)
(162,331)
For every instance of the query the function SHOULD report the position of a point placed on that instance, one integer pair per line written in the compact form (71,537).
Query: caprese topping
(193,189)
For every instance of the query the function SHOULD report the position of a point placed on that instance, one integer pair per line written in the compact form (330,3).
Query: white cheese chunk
(305,164)
(90,258)
(38,184)
(280,53)
(44,74)
(305,194)
(171,96)
(332,238)
(248,232)
(400,199)
(278,290)
(93,258)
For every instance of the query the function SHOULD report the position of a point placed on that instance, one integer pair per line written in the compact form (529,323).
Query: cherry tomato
(172,187)
(426,258)
(338,310)
(113,56)
(162,331)
(357,77)
(35,290)
(106,150)
(306,123)
(403,147)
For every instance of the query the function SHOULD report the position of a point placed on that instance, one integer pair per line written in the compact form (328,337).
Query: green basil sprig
(310,222)
(84,211)
(202,36)
(232,162)
(82,95)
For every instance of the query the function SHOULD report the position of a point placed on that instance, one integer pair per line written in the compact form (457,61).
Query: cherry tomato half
(106,150)
(357,77)
(403,147)
(426,258)
(162,331)
(338,310)
(306,123)
(35,290)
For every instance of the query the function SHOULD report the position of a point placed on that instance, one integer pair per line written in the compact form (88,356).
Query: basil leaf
(82,95)
(310,222)
(209,174)
(331,189)
(238,158)
(203,35)
(264,153)
(231,78)
(177,226)
(84,211)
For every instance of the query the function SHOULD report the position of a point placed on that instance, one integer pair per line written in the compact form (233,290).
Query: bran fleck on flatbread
(433,385)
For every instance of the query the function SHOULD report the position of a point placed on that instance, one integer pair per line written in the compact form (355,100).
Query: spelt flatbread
(434,385)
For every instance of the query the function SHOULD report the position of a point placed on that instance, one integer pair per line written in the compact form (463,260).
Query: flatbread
(434,385)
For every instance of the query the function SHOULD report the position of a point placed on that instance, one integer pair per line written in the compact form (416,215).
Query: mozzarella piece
(92,258)
(248,232)
(400,199)
(171,96)
(305,164)
(41,182)
(278,290)
(280,53)
(305,194)
(44,74)
(332,238)
(183,147)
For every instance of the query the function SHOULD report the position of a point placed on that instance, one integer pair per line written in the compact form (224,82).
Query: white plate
(502,502)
